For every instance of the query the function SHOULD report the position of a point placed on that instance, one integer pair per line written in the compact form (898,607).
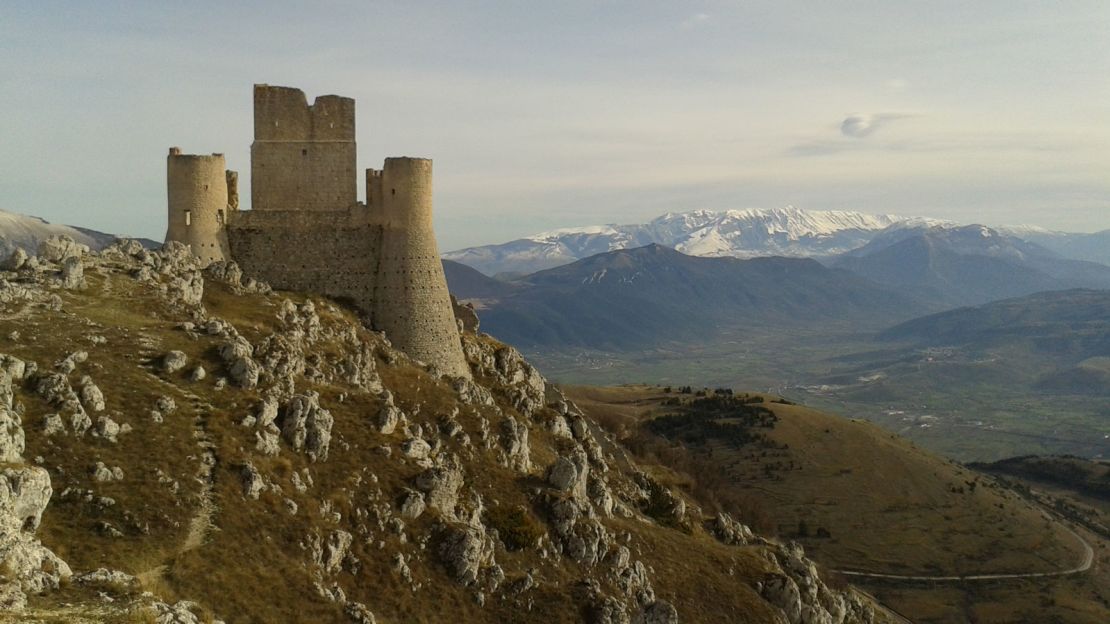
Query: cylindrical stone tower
(410,303)
(198,208)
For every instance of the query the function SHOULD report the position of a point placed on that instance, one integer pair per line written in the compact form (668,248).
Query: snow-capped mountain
(785,231)
(18,230)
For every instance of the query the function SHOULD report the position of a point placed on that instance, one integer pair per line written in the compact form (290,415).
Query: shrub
(517,527)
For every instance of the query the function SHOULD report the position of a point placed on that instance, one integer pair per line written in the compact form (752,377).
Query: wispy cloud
(862,125)
(694,21)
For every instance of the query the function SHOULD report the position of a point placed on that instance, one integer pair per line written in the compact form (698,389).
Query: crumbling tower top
(303,157)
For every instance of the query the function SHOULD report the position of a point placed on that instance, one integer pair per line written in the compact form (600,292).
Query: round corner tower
(410,303)
(197,186)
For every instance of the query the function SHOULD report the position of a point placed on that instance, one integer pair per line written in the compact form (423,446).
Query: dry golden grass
(251,566)
(889,507)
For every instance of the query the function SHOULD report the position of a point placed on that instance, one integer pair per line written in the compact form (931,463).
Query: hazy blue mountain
(652,295)
(1094,247)
(967,265)
(467,283)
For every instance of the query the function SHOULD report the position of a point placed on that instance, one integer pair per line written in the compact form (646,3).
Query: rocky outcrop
(26,566)
(305,425)
(797,589)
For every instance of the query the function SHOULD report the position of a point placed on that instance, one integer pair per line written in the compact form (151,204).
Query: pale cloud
(694,21)
(861,125)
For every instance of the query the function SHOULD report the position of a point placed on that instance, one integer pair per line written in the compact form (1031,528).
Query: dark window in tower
(304,152)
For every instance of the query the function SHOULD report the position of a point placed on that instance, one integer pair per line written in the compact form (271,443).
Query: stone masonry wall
(330,253)
(196,187)
(410,300)
(303,157)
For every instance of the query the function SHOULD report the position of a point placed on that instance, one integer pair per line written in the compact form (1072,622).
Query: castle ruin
(306,230)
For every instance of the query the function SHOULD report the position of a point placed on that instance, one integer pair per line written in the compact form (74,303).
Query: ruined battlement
(303,157)
(283,114)
(307,232)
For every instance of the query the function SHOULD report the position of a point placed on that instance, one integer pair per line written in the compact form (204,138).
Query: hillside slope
(28,233)
(858,497)
(251,456)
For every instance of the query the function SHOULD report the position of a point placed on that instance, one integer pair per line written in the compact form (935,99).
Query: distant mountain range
(636,298)
(18,230)
(966,265)
(789,231)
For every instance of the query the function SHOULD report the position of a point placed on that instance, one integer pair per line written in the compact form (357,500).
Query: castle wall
(303,157)
(331,253)
(410,299)
(198,203)
(306,232)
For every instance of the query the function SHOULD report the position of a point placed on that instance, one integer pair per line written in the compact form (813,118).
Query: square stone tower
(303,157)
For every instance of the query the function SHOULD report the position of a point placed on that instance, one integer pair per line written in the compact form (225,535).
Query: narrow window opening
(220,217)
(304,152)
(393,191)
(188,217)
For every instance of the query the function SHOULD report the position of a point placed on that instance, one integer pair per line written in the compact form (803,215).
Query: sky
(541,115)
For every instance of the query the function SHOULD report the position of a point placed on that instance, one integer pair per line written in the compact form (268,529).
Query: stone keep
(307,232)
(197,187)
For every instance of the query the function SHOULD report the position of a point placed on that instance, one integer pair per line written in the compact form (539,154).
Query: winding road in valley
(1084,565)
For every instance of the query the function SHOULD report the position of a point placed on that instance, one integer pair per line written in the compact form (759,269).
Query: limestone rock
(103,577)
(52,424)
(174,361)
(464,550)
(357,613)
(16,260)
(563,474)
(252,481)
(101,473)
(412,505)
(12,436)
(415,448)
(91,396)
(334,550)
(389,416)
(661,612)
(730,531)
(107,428)
(306,425)
(441,485)
(244,372)
(58,248)
(178,613)
(26,566)
(514,440)
(73,274)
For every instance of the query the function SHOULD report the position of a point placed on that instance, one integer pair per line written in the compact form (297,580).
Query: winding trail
(200,524)
(1084,565)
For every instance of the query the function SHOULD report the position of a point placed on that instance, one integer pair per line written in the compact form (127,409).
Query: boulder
(306,425)
(563,474)
(16,260)
(73,274)
(174,361)
(58,248)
